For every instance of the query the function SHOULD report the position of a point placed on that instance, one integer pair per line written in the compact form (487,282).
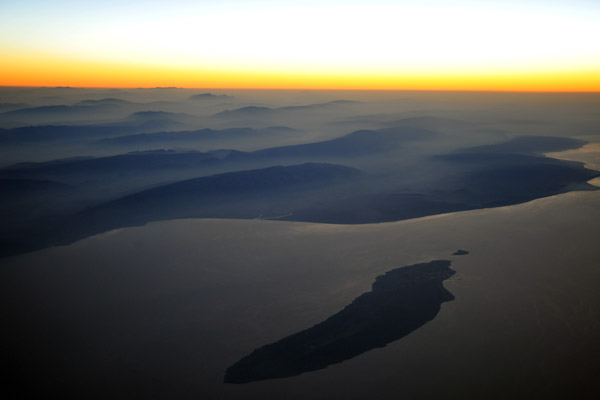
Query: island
(460,252)
(401,301)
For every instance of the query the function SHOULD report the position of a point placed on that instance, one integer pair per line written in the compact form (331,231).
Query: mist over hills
(85,111)
(76,129)
(360,143)
(75,139)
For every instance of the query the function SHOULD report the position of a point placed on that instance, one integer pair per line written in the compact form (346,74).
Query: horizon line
(302,89)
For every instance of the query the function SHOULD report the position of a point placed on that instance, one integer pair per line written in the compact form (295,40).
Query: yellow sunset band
(526,45)
(36,71)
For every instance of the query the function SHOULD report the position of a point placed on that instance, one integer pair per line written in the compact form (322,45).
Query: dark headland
(401,301)
(460,252)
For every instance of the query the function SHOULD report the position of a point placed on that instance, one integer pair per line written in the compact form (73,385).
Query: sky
(525,45)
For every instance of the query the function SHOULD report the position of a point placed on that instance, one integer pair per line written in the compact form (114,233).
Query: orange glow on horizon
(35,71)
(524,45)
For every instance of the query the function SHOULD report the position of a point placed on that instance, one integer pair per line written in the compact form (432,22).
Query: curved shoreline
(571,155)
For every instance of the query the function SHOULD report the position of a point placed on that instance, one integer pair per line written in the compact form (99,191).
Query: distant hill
(149,121)
(428,122)
(267,192)
(18,188)
(155,115)
(83,108)
(210,96)
(202,135)
(360,143)
(164,137)
(354,144)
(199,190)
(108,100)
(244,112)
(51,133)
(255,111)
(144,161)
(12,106)
(48,111)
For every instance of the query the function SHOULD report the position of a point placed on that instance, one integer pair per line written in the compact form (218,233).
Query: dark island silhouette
(460,252)
(401,301)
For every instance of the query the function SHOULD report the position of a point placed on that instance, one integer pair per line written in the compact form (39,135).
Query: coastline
(238,284)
